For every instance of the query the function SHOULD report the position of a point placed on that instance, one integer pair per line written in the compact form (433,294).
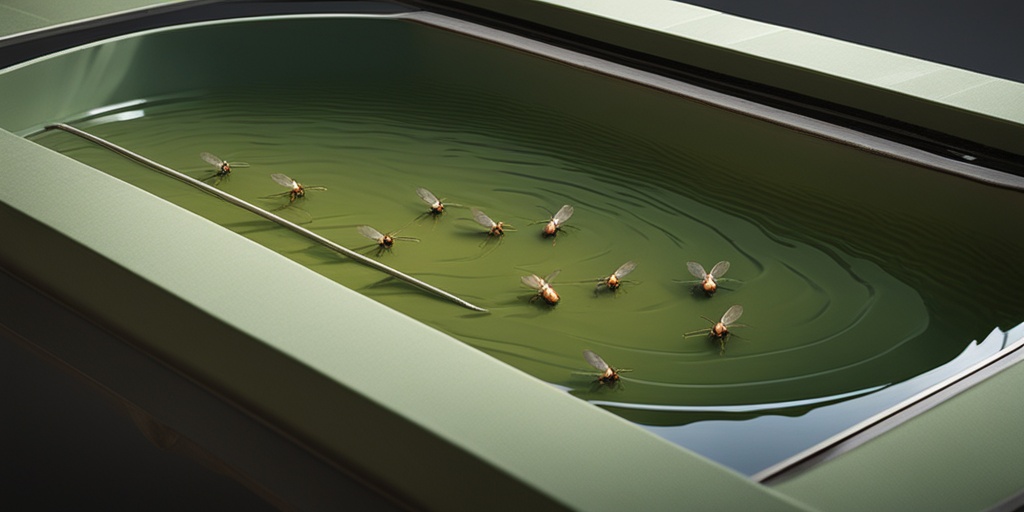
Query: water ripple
(821,312)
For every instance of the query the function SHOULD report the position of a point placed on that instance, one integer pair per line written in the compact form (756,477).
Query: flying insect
(385,241)
(708,280)
(609,375)
(543,287)
(493,228)
(295,191)
(436,205)
(554,224)
(721,329)
(613,281)
(223,167)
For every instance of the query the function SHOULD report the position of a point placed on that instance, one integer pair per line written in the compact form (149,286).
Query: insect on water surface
(609,375)
(296,189)
(436,205)
(223,167)
(613,281)
(708,281)
(493,228)
(554,225)
(384,240)
(721,329)
(543,287)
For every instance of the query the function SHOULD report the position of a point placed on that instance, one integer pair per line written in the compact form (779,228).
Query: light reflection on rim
(739,408)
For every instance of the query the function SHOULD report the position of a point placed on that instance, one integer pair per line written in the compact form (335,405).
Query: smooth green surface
(18,16)
(983,109)
(546,439)
(13,21)
(132,284)
(832,316)
(965,454)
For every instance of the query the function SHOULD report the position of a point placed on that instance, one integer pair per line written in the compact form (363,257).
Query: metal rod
(265,214)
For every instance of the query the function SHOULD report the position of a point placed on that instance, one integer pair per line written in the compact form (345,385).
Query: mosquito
(720,330)
(493,228)
(223,167)
(296,189)
(708,281)
(609,375)
(436,205)
(384,241)
(543,287)
(613,281)
(554,225)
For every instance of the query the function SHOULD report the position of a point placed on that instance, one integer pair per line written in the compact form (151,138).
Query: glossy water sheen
(855,272)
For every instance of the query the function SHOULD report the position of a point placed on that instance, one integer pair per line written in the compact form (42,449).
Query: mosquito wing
(211,159)
(696,269)
(732,314)
(625,269)
(283,180)
(720,269)
(552,276)
(427,197)
(562,214)
(369,232)
(533,281)
(595,360)
(482,218)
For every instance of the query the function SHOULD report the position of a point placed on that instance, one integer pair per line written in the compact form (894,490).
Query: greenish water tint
(855,272)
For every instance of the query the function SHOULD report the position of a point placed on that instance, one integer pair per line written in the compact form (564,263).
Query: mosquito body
(384,240)
(223,166)
(609,375)
(613,281)
(493,228)
(543,287)
(295,191)
(708,280)
(720,330)
(554,225)
(436,205)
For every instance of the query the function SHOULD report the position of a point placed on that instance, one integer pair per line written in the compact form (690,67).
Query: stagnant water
(856,273)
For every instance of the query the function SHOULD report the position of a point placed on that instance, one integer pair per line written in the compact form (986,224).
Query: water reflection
(752,438)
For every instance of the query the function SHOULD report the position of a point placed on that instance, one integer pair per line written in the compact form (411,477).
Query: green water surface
(855,272)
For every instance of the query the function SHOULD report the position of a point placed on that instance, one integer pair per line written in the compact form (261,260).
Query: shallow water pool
(858,274)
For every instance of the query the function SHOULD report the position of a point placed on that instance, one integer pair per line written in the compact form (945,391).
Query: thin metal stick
(265,214)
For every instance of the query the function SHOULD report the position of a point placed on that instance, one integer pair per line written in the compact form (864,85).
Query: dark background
(66,446)
(986,36)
